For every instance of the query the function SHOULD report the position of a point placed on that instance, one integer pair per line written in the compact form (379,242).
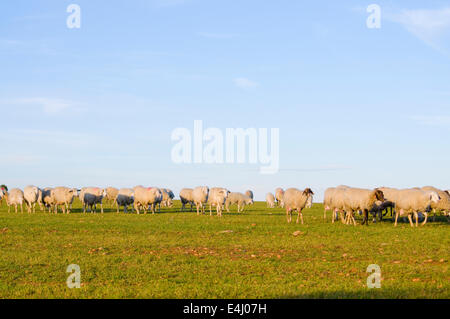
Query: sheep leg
(396,217)
(198,209)
(416,216)
(101,207)
(425,220)
(410,220)
(325,214)
(210,211)
(300,215)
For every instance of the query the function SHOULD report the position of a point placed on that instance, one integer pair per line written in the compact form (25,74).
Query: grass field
(249,255)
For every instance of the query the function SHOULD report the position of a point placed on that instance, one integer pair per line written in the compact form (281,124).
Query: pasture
(255,254)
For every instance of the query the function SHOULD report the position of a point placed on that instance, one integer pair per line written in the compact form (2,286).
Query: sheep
(62,196)
(14,197)
(146,197)
(125,197)
(200,197)
(238,198)
(186,198)
(270,200)
(91,196)
(31,196)
(111,194)
(334,201)
(441,206)
(249,193)
(279,192)
(295,199)
(3,190)
(47,199)
(217,197)
(413,201)
(167,197)
(356,199)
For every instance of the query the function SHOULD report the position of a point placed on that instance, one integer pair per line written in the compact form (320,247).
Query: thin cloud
(245,83)
(437,120)
(430,26)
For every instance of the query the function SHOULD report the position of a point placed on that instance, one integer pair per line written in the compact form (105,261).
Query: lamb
(200,197)
(270,200)
(186,198)
(146,197)
(238,198)
(125,197)
(62,196)
(111,194)
(441,206)
(356,199)
(14,197)
(91,196)
(413,201)
(217,197)
(47,199)
(279,193)
(249,193)
(295,199)
(31,196)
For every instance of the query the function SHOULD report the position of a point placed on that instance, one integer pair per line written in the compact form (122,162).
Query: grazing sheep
(125,197)
(91,197)
(146,197)
(111,194)
(200,197)
(270,200)
(238,198)
(249,193)
(217,197)
(356,199)
(186,198)
(443,205)
(295,199)
(413,201)
(31,196)
(279,193)
(167,197)
(14,197)
(62,196)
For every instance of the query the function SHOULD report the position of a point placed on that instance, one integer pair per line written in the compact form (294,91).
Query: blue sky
(97,105)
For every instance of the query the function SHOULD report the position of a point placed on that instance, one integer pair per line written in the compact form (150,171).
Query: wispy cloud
(215,35)
(49,106)
(245,83)
(437,120)
(430,26)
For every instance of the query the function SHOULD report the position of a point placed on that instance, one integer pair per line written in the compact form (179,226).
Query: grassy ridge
(250,255)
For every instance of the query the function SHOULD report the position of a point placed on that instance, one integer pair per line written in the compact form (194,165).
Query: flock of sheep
(343,201)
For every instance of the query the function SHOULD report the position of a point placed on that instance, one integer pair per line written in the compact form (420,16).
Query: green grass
(182,255)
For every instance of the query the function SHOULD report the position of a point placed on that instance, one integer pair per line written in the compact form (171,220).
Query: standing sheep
(443,205)
(168,197)
(356,199)
(14,197)
(146,198)
(200,197)
(334,201)
(91,197)
(295,199)
(186,198)
(279,193)
(270,200)
(31,196)
(47,199)
(249,193)
(413,201)
(240,199)
(111,194)
(217,197)
(125,197)
(62,196)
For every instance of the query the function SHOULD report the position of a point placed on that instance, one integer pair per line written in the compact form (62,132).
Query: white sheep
(412,201)
(167,197)
(249,193)
(359,199)
(31,196)
(295,199)
(146,197)
(238,198)
(279,193)
(47,199)
(200,197)
(125,197)
(443,205)
(62,196)
(270,200)
(186,198)
(217,197)
(14,197)
(111,194)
